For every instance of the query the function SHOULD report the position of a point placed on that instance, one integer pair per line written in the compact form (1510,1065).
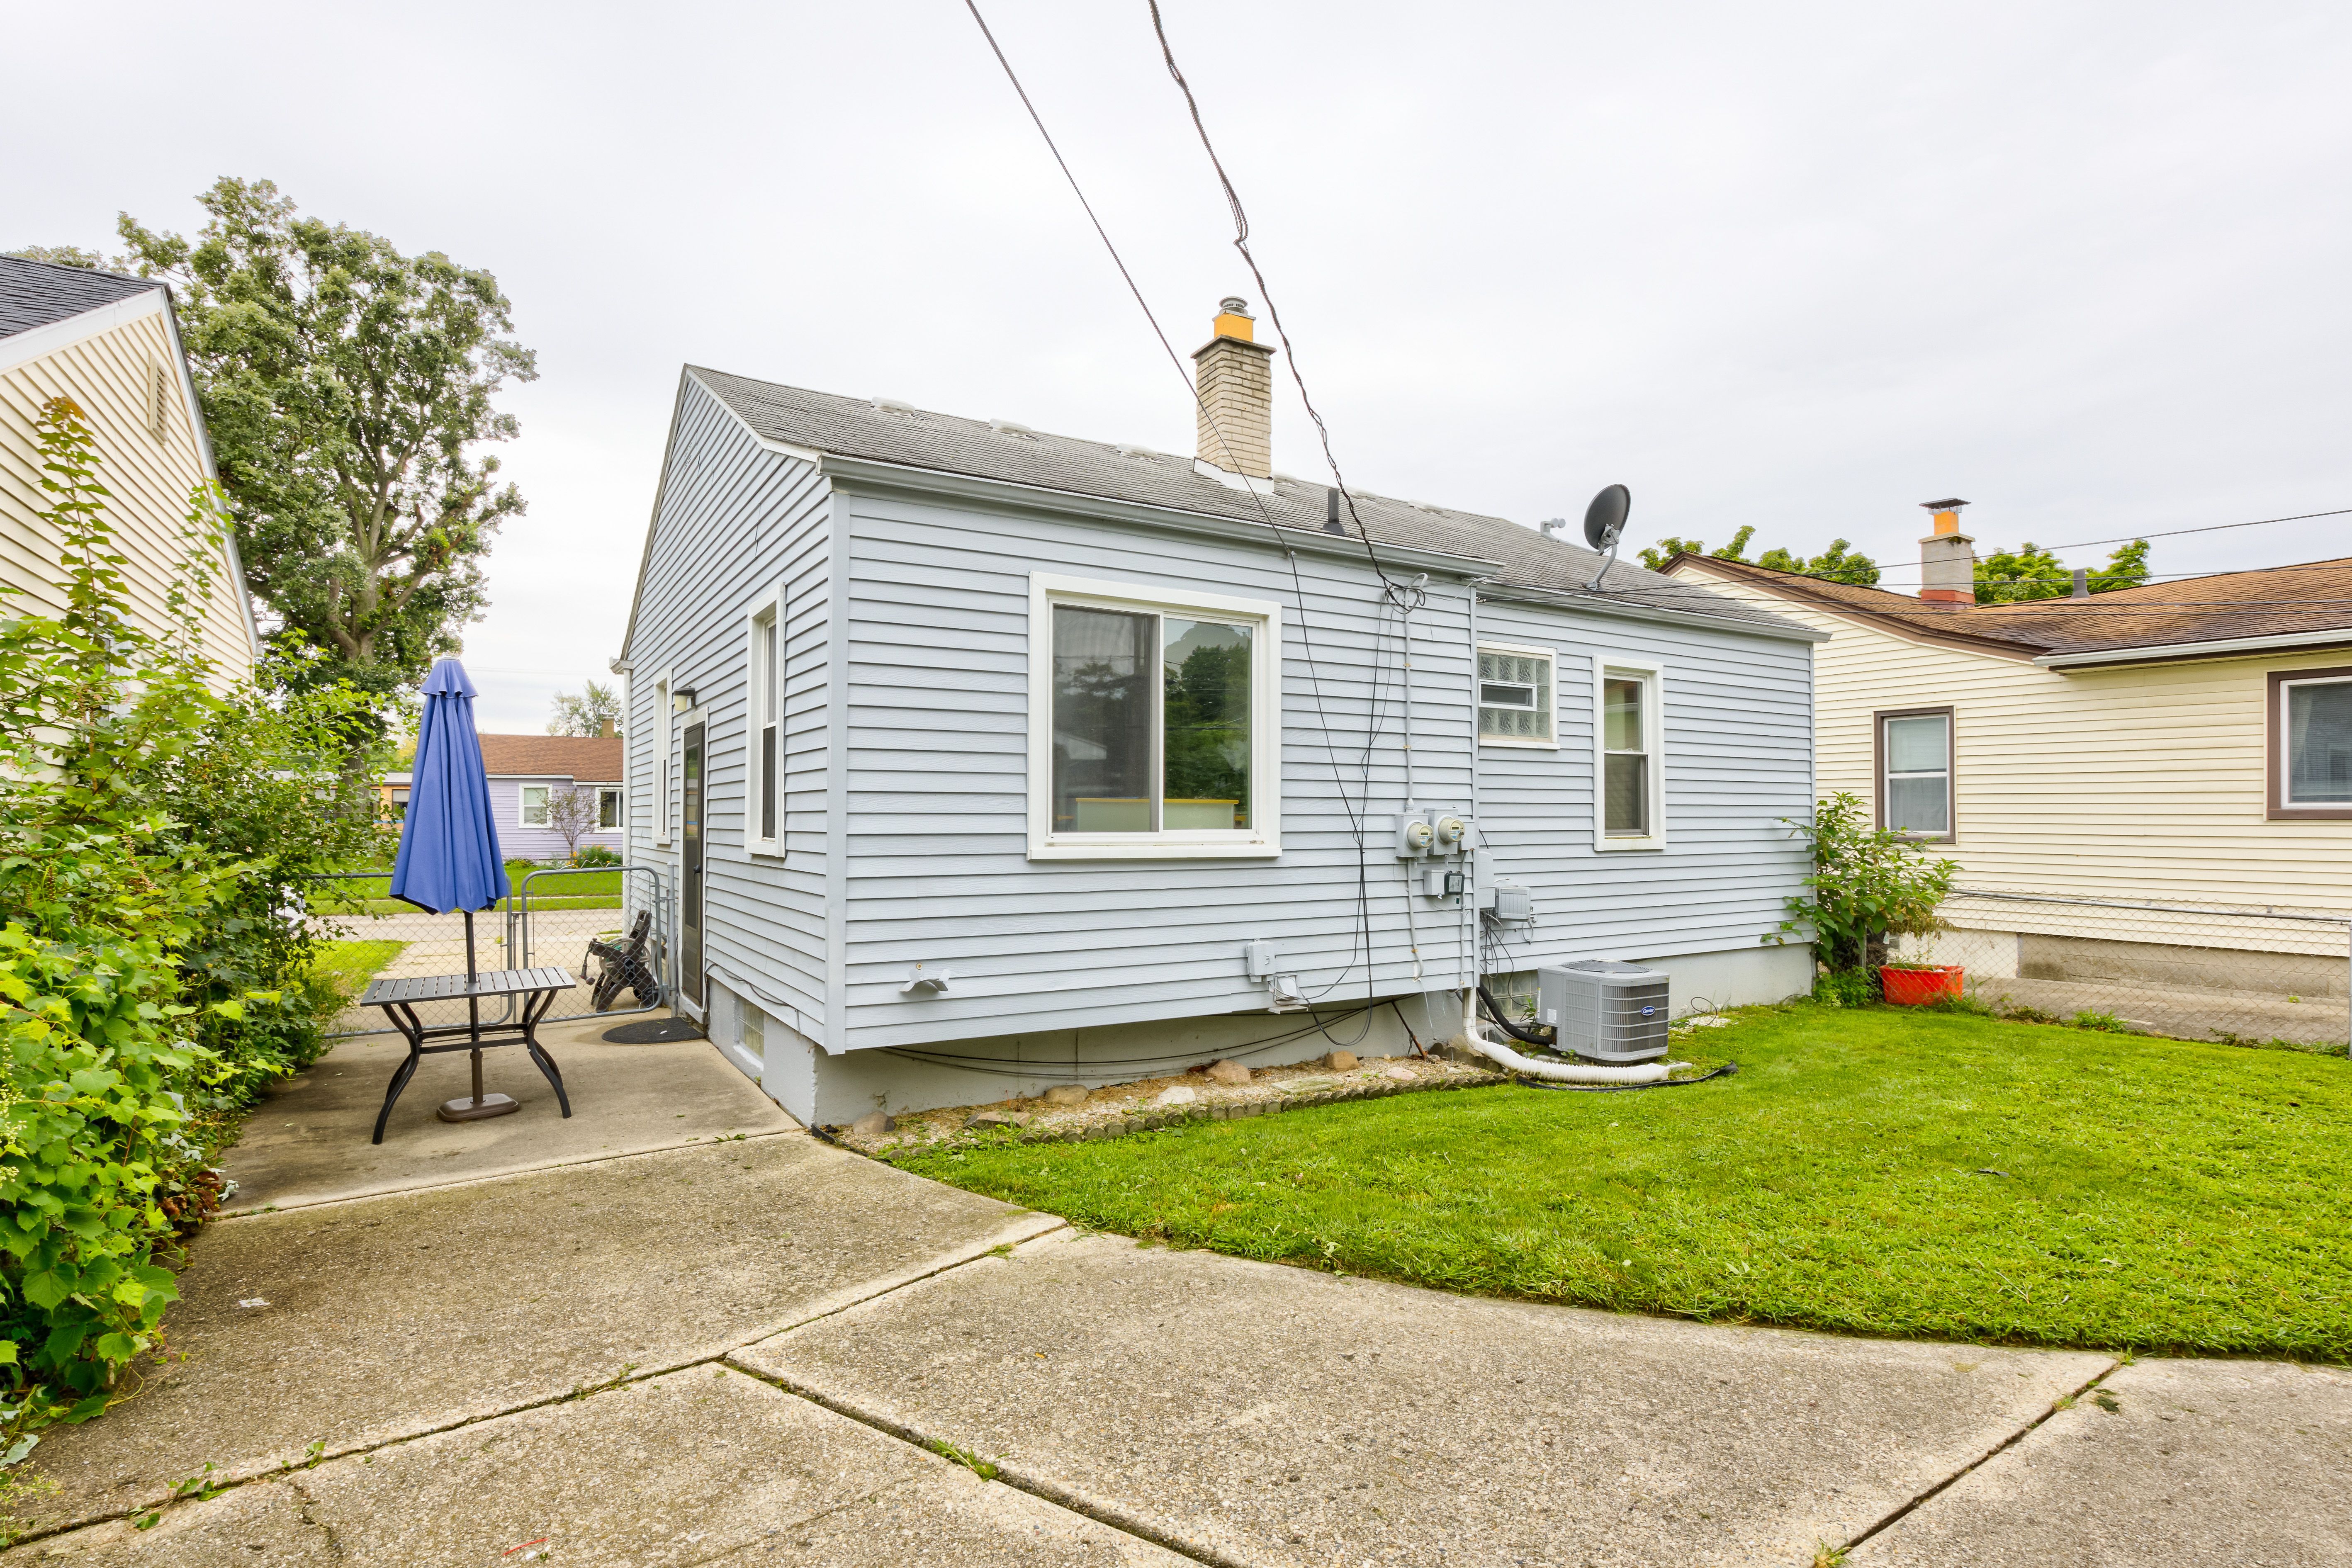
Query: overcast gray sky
(1798,266)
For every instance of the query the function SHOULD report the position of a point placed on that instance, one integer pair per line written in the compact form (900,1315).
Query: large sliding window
(1914,774)
(1155,722)
(2311,745)
(1629,754)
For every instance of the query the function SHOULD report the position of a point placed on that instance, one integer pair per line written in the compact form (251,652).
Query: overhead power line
(2209,527)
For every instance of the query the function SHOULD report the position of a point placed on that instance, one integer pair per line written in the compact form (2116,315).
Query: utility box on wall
(1604,1010)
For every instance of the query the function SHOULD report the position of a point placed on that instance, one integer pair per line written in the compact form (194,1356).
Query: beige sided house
(2185,744)
(112,345)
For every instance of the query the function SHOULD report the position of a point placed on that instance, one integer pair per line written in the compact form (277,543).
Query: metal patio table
(537,988)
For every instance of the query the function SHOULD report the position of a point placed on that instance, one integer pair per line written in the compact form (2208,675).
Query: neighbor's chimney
(604,731)
(1948,558)
(1234,378)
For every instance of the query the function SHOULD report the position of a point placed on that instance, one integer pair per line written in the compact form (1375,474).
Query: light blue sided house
(985,760)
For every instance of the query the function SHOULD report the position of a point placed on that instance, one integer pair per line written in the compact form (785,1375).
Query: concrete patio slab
(1250,1413)
(355,1324)
(697,1467)
(308,1144)
(2198,1461)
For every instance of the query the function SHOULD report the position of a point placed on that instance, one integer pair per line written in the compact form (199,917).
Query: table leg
(537,1008)
(414,1028)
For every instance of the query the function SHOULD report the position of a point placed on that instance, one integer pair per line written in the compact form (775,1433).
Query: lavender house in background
(526,772)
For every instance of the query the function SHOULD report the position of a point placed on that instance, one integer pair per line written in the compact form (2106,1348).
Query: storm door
(689,892)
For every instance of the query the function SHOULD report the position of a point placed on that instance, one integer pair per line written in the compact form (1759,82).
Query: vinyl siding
(937,668)
(736,519)
(520,842)
(1738,759)
(149,480)
(2142,783)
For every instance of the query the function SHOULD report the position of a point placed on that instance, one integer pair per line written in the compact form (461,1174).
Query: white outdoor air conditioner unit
(1604,1010)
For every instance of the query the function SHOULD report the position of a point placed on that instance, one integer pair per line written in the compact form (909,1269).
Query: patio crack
(1896,1515)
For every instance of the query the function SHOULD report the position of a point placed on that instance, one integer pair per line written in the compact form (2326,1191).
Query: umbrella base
(472,1109)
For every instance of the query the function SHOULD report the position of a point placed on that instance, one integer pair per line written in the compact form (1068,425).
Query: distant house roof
(858,427)
(588,759)
(36,293)
(2306,604)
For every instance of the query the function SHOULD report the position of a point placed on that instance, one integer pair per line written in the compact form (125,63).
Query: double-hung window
(2311,746)
(535,806)
(1155,722)
(1515,696)
(1914,774)
(1629,752)
(763,808)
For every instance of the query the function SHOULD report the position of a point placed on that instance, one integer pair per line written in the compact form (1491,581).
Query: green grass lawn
(2154,1194)
(570,890)
(348,966)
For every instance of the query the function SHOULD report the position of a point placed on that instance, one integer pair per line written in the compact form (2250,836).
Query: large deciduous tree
(348,391)
(586,714)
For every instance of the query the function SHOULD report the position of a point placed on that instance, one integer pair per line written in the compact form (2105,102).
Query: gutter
(868,474)
(1601,603)
(2165,652)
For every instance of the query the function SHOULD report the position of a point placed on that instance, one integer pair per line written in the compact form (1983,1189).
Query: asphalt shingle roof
(36,293)
(857,427)
(589,759)
(2275,601)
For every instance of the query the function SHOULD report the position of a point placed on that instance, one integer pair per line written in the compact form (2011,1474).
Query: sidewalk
(763,1349)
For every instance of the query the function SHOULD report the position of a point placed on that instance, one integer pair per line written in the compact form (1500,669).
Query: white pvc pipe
(1562,1072)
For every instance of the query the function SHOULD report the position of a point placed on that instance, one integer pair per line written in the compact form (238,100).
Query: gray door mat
(654,1032)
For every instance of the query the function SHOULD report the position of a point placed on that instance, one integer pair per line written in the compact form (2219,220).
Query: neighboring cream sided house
(112,345)
(2184,742)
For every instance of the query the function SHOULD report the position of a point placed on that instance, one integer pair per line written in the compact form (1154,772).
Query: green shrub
(1867,883)
(1846,987)
(156,835)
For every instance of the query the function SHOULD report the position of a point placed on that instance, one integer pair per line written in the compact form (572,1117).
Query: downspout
(1468,925)
(1412,920)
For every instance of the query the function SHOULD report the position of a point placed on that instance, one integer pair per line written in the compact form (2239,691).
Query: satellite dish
(1604,519)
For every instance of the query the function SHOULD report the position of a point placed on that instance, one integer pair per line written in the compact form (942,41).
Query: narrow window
(1515,696)
(535,806)
(1625,742)
(663,735)
(764,684)
(159,400)
(1916,787)
(2319,732)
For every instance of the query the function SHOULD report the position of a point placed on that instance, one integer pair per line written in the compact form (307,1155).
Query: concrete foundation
(832,1091)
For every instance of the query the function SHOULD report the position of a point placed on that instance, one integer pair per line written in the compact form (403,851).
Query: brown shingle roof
(586,759)
(2276,601)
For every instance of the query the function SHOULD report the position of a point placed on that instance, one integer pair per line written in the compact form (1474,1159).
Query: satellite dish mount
(1604,524)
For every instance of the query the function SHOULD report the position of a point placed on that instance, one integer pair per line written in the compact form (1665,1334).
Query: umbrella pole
(481,1105)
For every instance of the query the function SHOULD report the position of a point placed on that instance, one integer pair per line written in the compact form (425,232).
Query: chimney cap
(1953,504)
(1234,305)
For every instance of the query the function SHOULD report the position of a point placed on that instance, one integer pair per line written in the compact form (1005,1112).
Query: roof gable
(39,293)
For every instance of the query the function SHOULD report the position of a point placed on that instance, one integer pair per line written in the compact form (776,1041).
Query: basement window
(1515,696)
(1155,722)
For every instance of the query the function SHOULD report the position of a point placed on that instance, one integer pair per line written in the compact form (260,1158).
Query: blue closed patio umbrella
(449,856)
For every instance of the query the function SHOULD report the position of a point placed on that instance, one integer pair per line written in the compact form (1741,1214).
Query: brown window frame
(2275,806)
(1951,769)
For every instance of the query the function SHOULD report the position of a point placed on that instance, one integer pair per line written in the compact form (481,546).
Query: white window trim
(1653,727)
(769,606)
(523,805)
(2287,806)
(1550,656)
(665,739)
(1264,839)
(620,809)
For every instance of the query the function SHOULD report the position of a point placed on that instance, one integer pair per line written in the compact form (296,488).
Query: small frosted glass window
(1919,753)
(2319,742)
(1514,696)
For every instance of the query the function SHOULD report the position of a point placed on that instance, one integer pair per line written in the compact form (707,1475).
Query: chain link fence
(2242,972)
(550,918)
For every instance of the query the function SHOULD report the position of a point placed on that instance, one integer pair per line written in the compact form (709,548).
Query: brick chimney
(1948,558)
(1235,375)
